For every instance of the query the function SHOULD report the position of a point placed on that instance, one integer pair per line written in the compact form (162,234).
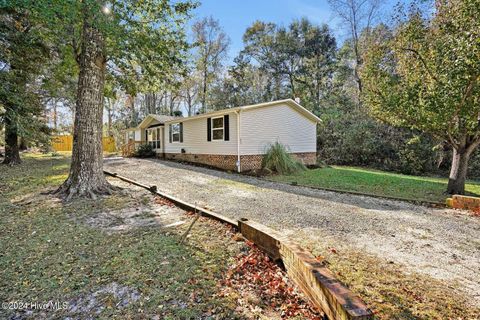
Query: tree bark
(12,152)
(23,144)
(86,178)
(204,91)
(55,125)
(109,113)
(458,172)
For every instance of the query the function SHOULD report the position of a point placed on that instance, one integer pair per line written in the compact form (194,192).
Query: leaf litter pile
(258,283)
(262,282)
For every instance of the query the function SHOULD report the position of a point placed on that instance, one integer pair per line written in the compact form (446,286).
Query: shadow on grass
(51,254)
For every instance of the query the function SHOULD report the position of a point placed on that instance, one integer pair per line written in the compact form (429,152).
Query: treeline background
(300,60)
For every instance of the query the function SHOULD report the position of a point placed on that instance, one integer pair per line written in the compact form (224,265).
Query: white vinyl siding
(264,126)
(195,139)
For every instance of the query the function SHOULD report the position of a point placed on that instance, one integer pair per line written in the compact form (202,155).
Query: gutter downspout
(238,140)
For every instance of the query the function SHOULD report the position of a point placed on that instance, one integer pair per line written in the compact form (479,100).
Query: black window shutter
(181,131)
(170,133)
(226,127)
(209,129)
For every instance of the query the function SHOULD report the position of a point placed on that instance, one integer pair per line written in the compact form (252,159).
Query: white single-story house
(232,139)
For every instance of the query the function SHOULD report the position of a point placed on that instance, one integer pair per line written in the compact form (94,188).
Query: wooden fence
(65,143)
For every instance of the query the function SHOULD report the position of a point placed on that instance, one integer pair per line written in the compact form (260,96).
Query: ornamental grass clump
(277,159)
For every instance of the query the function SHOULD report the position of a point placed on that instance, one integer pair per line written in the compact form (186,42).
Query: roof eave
(289,102)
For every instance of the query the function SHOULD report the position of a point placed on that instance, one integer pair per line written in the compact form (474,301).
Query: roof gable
(152,118)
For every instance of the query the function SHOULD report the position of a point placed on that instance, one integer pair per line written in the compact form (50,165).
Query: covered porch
(149,131)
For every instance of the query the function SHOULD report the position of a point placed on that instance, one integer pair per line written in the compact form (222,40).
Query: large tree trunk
(86,176)
(23,144)
(55,125)
(458,172)
(109,116)
(12,154)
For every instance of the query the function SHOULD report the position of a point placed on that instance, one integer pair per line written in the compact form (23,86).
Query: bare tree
(189,92)
(357,17)
(212,45)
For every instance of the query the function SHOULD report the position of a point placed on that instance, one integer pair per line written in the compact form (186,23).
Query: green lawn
(376,182)
(49,253)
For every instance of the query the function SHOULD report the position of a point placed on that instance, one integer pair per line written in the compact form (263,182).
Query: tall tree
(22,52)
(211,50)
(426,77)
(300,59)
(356,17)
(148,35)
(189,92)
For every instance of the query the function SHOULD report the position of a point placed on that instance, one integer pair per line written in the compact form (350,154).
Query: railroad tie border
(313,278)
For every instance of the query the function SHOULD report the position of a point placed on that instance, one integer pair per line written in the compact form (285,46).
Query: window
(175,132)
(153,137)
(217,128)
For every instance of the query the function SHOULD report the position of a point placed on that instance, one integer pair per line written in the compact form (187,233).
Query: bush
(349,136)
(277,159)
(145,151)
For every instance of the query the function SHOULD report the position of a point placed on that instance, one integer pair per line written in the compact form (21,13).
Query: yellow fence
(65,143)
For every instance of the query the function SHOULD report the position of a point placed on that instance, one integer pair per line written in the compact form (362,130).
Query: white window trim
(174,124)
(218,129)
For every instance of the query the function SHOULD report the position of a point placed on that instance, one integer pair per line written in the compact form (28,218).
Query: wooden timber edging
(314,279)
(178,202)
(464,202)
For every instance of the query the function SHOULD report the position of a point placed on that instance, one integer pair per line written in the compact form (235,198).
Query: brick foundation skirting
(225,162)
(229,162)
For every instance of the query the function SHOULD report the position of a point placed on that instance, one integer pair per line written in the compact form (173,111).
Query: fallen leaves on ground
(254,273)
(164,202)
(476,212)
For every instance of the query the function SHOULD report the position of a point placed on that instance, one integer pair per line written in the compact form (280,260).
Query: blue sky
(236,15)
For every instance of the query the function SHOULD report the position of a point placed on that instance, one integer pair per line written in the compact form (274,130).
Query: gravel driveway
(441,243)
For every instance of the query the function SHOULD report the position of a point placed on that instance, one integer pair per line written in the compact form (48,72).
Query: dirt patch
(112,295)
(86,306)
(136,217)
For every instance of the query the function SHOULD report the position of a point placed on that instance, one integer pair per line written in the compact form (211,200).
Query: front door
(154,138)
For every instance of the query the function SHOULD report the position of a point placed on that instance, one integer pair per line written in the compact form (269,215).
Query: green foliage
(23,56)
(349,136)
(145,151)
(277,159)
(278,63)
(425,75)
(144,41)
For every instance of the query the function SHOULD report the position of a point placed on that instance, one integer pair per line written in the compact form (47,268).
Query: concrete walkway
(441,243)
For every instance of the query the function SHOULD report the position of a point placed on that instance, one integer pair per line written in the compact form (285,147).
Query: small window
(217,128)
(176,132)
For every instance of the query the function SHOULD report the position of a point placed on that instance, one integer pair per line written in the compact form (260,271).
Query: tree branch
(419,56)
